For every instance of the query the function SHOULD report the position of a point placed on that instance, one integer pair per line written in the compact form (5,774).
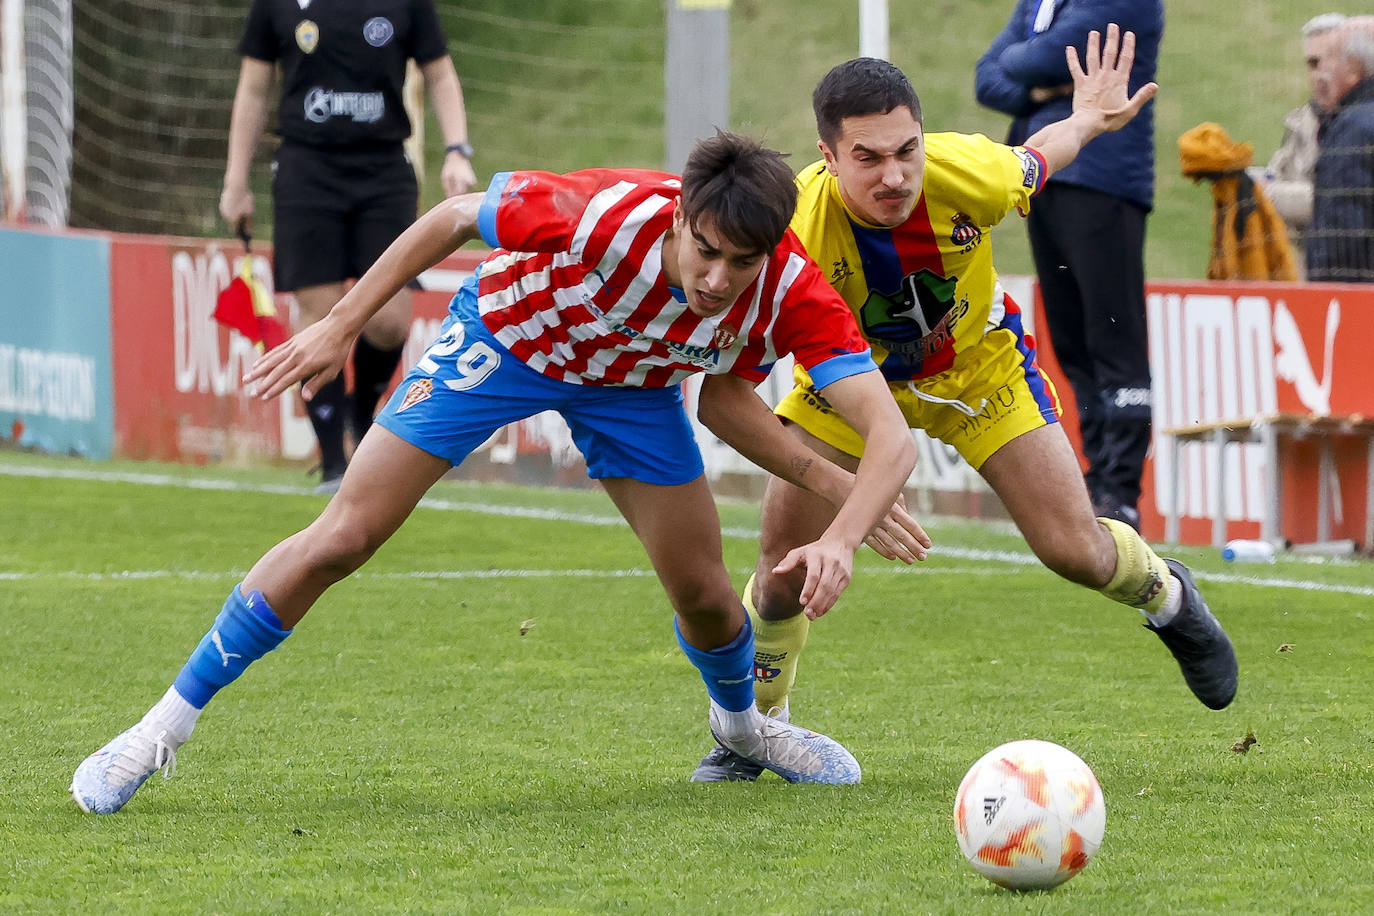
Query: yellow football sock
(777,645)
(1141,579)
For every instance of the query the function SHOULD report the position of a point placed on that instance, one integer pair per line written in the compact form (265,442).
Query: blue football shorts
(467,386)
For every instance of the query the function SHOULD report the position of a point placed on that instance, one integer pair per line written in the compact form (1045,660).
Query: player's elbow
(720,407)
(900,448)
(710,413)
(907,460)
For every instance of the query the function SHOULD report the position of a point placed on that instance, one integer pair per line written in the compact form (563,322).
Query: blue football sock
(727,671)
(245,630)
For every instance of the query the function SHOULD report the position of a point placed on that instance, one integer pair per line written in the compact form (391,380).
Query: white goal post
(36,110)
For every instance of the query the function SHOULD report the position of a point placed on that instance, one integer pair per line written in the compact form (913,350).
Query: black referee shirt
(343,64)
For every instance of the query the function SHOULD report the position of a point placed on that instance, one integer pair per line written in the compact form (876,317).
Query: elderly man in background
(1287,179)
(1340,244)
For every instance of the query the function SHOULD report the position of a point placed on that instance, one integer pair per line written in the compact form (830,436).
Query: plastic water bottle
(1244,551)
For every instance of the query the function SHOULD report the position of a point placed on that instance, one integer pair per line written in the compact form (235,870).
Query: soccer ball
(1029,815)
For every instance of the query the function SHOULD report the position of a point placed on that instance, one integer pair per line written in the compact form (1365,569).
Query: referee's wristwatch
(463,149)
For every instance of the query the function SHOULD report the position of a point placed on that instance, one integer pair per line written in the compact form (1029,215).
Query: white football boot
(794,753)
(107,779)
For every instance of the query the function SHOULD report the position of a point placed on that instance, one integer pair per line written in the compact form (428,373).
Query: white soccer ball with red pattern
(1029,815)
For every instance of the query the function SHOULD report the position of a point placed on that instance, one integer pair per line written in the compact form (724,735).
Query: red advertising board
(178,395)
(1229,351)
(1218,351)
(176,371)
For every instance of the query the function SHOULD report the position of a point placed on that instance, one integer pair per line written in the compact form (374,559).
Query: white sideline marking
(234,575)
(1005,557)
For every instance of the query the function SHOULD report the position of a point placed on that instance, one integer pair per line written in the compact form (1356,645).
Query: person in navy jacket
(1087,229)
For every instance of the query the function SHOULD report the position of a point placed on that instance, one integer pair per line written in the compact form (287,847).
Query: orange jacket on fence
(1249,239)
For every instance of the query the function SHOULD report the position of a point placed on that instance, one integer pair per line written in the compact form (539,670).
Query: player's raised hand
(1101,85)
(829,567)
(898,536)
(314,357)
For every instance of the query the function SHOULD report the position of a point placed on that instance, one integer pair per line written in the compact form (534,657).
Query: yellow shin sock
(777,646)
(1141,579)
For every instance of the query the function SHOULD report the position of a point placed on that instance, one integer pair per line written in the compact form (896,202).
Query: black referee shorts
(336,211)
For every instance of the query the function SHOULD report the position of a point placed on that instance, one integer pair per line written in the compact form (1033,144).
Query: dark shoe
(724,765)
(1199,643)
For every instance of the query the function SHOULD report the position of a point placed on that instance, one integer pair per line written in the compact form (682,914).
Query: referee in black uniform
(342,186)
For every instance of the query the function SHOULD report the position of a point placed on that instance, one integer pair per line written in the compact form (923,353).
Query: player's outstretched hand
(898,536)
(313,357)
(1101,86)
(829,567)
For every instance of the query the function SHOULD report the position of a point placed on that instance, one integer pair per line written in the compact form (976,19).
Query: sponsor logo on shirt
(362,107)
(707,357)
(915,321)
(378,30)
(702,357)
(307,35)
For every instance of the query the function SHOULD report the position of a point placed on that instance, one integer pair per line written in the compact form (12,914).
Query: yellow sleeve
(987,178)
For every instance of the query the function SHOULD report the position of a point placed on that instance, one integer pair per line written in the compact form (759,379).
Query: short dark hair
(858,87)
(747,189)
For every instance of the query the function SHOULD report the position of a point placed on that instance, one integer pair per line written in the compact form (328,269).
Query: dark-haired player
(899,220)
(607,289)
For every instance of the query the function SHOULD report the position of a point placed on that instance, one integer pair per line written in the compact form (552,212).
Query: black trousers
(1089,254)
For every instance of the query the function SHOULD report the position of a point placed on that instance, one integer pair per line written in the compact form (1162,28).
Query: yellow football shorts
(993,393)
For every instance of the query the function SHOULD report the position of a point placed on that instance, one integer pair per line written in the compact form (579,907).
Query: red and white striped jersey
(576,290)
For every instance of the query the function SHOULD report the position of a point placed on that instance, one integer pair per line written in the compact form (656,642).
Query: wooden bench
(1267,430)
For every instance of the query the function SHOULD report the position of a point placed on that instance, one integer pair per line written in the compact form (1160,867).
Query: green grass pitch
(493,717)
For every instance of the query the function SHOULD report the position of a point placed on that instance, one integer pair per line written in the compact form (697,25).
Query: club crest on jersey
(378,30)
(966,232)
(307,36)
(724,337)
(419,390)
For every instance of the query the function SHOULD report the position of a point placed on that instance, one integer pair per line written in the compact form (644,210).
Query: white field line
(1002,557)
(419,574)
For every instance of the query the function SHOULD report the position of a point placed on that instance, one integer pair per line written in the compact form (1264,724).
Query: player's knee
(777,597)
(703,602)
(387,335)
